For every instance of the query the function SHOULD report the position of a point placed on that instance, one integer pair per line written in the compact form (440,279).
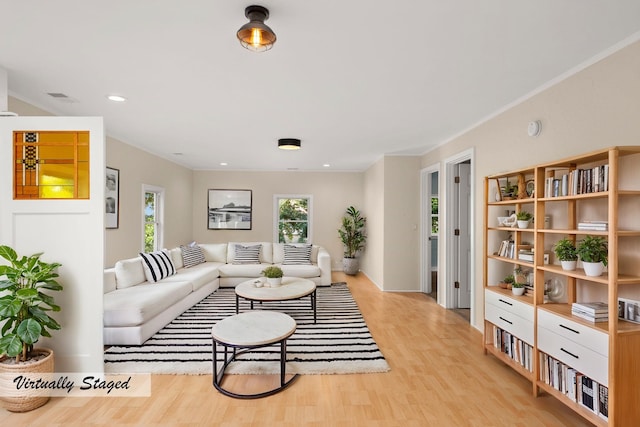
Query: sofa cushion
(176,257)
(198,275)
(138,304)
(278,253)
(266,252)
(215,252)
(129,272)
(242,270)
(303,271)
(191,255)
(297,254)
(109,283)
(247,254)
(157,265)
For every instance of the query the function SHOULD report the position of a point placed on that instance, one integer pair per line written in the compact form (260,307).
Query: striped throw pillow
(157,265)
(247,254)
(297,255)
(192,255)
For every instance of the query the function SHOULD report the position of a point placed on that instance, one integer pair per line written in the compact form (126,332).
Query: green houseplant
(274,275)
(566,253)
(353,238)
(23,314)
(593,252)
(523,218)
(517,288)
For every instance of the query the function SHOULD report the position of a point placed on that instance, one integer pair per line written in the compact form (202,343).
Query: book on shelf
(589,396)
(591,307)
(590,317)
(603,401)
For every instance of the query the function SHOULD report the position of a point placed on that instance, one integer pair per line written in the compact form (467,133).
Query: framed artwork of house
(229,209)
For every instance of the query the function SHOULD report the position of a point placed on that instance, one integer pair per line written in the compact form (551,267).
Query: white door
(463,235)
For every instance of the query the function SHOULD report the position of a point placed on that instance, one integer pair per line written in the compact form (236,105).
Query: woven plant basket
(24,400)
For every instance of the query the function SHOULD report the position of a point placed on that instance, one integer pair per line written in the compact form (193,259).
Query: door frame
(425,226)
(447,224)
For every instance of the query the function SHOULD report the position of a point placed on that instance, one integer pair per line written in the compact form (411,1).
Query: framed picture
(229,209)
(112,198)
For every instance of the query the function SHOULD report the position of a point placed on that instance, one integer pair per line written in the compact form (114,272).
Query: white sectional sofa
(136,308)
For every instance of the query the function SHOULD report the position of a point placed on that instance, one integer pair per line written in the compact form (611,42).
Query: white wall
(595,108)
(70,232)
(332,193)
(138,167)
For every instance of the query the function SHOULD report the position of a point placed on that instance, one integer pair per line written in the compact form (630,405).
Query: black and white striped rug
(339,343)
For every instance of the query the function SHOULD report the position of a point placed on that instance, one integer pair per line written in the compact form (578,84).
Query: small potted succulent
(274,276)
(507,282)
(566,253)
(523,218)
(517,288)
(593,252)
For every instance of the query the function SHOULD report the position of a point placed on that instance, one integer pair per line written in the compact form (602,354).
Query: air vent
(61,97)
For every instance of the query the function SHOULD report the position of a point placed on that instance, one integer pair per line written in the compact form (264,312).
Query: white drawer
(509,304)
(588,362)
(521,328)
(585,336)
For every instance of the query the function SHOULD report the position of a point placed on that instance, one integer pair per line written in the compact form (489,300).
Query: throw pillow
(247,254)
(157,265)
(192,255)
(297,255)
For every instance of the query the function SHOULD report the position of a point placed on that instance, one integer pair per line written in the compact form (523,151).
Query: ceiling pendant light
(255,35)
(289,144)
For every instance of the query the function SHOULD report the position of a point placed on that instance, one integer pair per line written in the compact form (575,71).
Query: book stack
(591,311)
(593,225)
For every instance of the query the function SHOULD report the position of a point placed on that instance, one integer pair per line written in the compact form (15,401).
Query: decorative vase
(517,291)
(274,282)
(568,265)
(593,269)
(350,266)
(523,224)
(28,399)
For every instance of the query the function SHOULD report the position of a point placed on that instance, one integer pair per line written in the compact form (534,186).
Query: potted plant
(507,282)
(523,218)
(274,275)
(566,253)
(23,314)
(353,238)
(517,288)
(593,252)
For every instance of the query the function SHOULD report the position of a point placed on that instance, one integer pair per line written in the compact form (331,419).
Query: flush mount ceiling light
(289,144)
(255,35)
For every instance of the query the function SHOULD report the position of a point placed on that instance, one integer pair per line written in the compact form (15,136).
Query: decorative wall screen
(51,165)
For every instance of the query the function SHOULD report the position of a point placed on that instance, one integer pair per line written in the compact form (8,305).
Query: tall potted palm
(24,319)
(353,237)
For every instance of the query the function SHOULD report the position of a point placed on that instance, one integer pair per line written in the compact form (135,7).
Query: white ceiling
(353,79)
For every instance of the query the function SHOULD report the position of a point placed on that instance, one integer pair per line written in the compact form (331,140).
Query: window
(292,219)
(152,218)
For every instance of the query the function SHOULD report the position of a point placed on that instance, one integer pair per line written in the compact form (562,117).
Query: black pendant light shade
(289,144)
(255,35)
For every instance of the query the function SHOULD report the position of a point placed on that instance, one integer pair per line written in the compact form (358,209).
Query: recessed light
(223,163)
(116,98)
(177,154)
(326,165)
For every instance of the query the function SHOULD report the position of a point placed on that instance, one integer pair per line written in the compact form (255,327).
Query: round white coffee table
(291,288)
(247,331)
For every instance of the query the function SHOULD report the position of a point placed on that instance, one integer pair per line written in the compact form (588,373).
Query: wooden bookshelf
(566,190)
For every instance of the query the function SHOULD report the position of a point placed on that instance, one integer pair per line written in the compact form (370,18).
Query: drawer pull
(506,302)
(569,353)
(502,318)
(569,329)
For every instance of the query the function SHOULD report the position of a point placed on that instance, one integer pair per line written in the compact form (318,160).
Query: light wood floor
(439,377)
